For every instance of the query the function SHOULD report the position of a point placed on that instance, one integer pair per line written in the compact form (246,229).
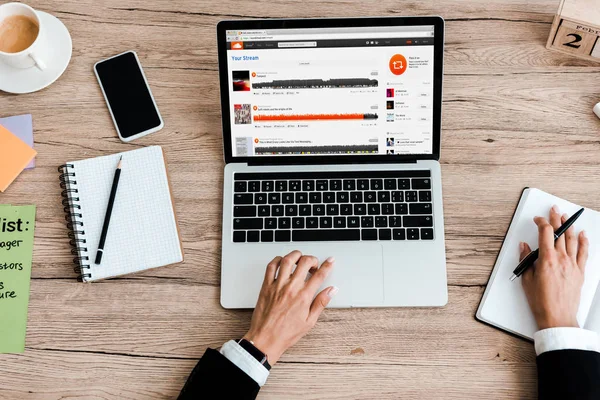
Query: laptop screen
(331,91)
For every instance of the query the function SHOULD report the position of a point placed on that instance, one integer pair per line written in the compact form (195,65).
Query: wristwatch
(254,352)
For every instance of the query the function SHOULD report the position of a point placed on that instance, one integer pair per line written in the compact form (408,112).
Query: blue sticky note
(22,127)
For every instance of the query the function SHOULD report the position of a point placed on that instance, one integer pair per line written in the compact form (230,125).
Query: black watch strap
(254,352)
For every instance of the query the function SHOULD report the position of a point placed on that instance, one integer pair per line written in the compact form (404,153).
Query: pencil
(111,202)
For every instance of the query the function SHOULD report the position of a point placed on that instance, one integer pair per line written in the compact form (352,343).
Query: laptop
(331,131)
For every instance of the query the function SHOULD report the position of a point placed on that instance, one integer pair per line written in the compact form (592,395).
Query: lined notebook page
(143,231)
(504,303)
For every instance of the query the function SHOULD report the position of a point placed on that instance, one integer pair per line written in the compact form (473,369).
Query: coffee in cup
(17,33)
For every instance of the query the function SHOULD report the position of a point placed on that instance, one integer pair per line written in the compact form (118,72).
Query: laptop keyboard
(332,206)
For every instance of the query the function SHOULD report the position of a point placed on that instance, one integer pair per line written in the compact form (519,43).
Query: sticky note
(22,127)
(17,224)
(15,154)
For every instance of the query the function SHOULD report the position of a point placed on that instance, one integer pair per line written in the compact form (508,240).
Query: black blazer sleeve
(216,377)
(569,374)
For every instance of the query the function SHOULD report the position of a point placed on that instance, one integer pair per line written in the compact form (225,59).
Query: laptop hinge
(322,162)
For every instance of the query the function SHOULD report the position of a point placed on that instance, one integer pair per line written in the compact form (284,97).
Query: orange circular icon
(254,74)
(255,108)
(256,140)
(398,64)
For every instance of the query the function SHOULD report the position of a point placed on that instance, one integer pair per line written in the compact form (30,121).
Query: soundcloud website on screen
(331,91)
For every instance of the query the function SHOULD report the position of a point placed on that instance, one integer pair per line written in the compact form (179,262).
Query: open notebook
(143,230)
(504,304)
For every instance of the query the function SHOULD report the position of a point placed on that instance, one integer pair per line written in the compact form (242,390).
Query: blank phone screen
(128,95)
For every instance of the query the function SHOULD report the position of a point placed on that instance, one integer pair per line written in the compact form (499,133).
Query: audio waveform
(317,83)
(312,117)
(351,149)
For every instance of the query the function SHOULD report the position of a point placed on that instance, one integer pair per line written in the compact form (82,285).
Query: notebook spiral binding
(74,218)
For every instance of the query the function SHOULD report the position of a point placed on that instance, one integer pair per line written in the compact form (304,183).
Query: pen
(531,257)
(111,202)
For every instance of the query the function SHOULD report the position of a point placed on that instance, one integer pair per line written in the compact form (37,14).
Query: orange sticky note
(15,154)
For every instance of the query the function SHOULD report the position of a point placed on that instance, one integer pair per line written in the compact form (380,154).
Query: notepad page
(143,232)
(504,303)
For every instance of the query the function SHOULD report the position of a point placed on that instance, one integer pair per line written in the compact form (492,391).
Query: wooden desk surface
(514,115)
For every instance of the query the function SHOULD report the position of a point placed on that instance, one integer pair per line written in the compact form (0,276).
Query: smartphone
(128,96)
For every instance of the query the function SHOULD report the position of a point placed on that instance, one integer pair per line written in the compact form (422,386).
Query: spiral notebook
(504,304)
(143,231)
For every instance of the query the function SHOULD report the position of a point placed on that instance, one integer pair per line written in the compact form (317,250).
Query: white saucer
(58,45)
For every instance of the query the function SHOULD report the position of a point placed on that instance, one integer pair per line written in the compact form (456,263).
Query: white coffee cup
(30,56)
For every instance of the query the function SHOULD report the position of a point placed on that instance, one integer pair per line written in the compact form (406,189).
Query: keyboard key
(381,222)
(291,211)
(266,236)
(345,209)
(242,199)
(298,223)
(315,197)
(369,234)
(387,209)
(325,222)
(339,222)
(362,184)
(254,186)
(239,237)
(425,195)
(263,211)
(295,186)
(395,222)
(260,198)
(319,209)
(270,223)
(366,222)
(399,234)
(353,222)
(301,197)
(283,236)
(410,196)
(274,198)
(342,197)
(349,184)
(421,184)
(244,211)
(376,184)
(412,234)
(370,197)
(418,221)
(333,209)
(383,197)
(403,183)
(287,198)
(240,186)
(360,209)
(385,234)
(401,208)
(374,209)
(356,197)
(397,197)
(325,235)
(268,186)
(389,184)
(253,236)
(280,186)
(322,185)
(420,208)
(312,222)
(308,185)
(427,234)
(277,211)
(328,197)
(284,223)
(335,184)
(304,210)
(248,223)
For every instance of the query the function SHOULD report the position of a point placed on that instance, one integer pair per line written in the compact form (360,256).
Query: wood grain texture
(514,115)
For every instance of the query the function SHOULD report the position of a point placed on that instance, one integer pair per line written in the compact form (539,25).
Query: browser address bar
(323,36)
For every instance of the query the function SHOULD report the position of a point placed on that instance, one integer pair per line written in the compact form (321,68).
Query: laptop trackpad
(358,271)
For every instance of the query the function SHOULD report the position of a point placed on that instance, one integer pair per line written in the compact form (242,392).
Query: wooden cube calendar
(576,29)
